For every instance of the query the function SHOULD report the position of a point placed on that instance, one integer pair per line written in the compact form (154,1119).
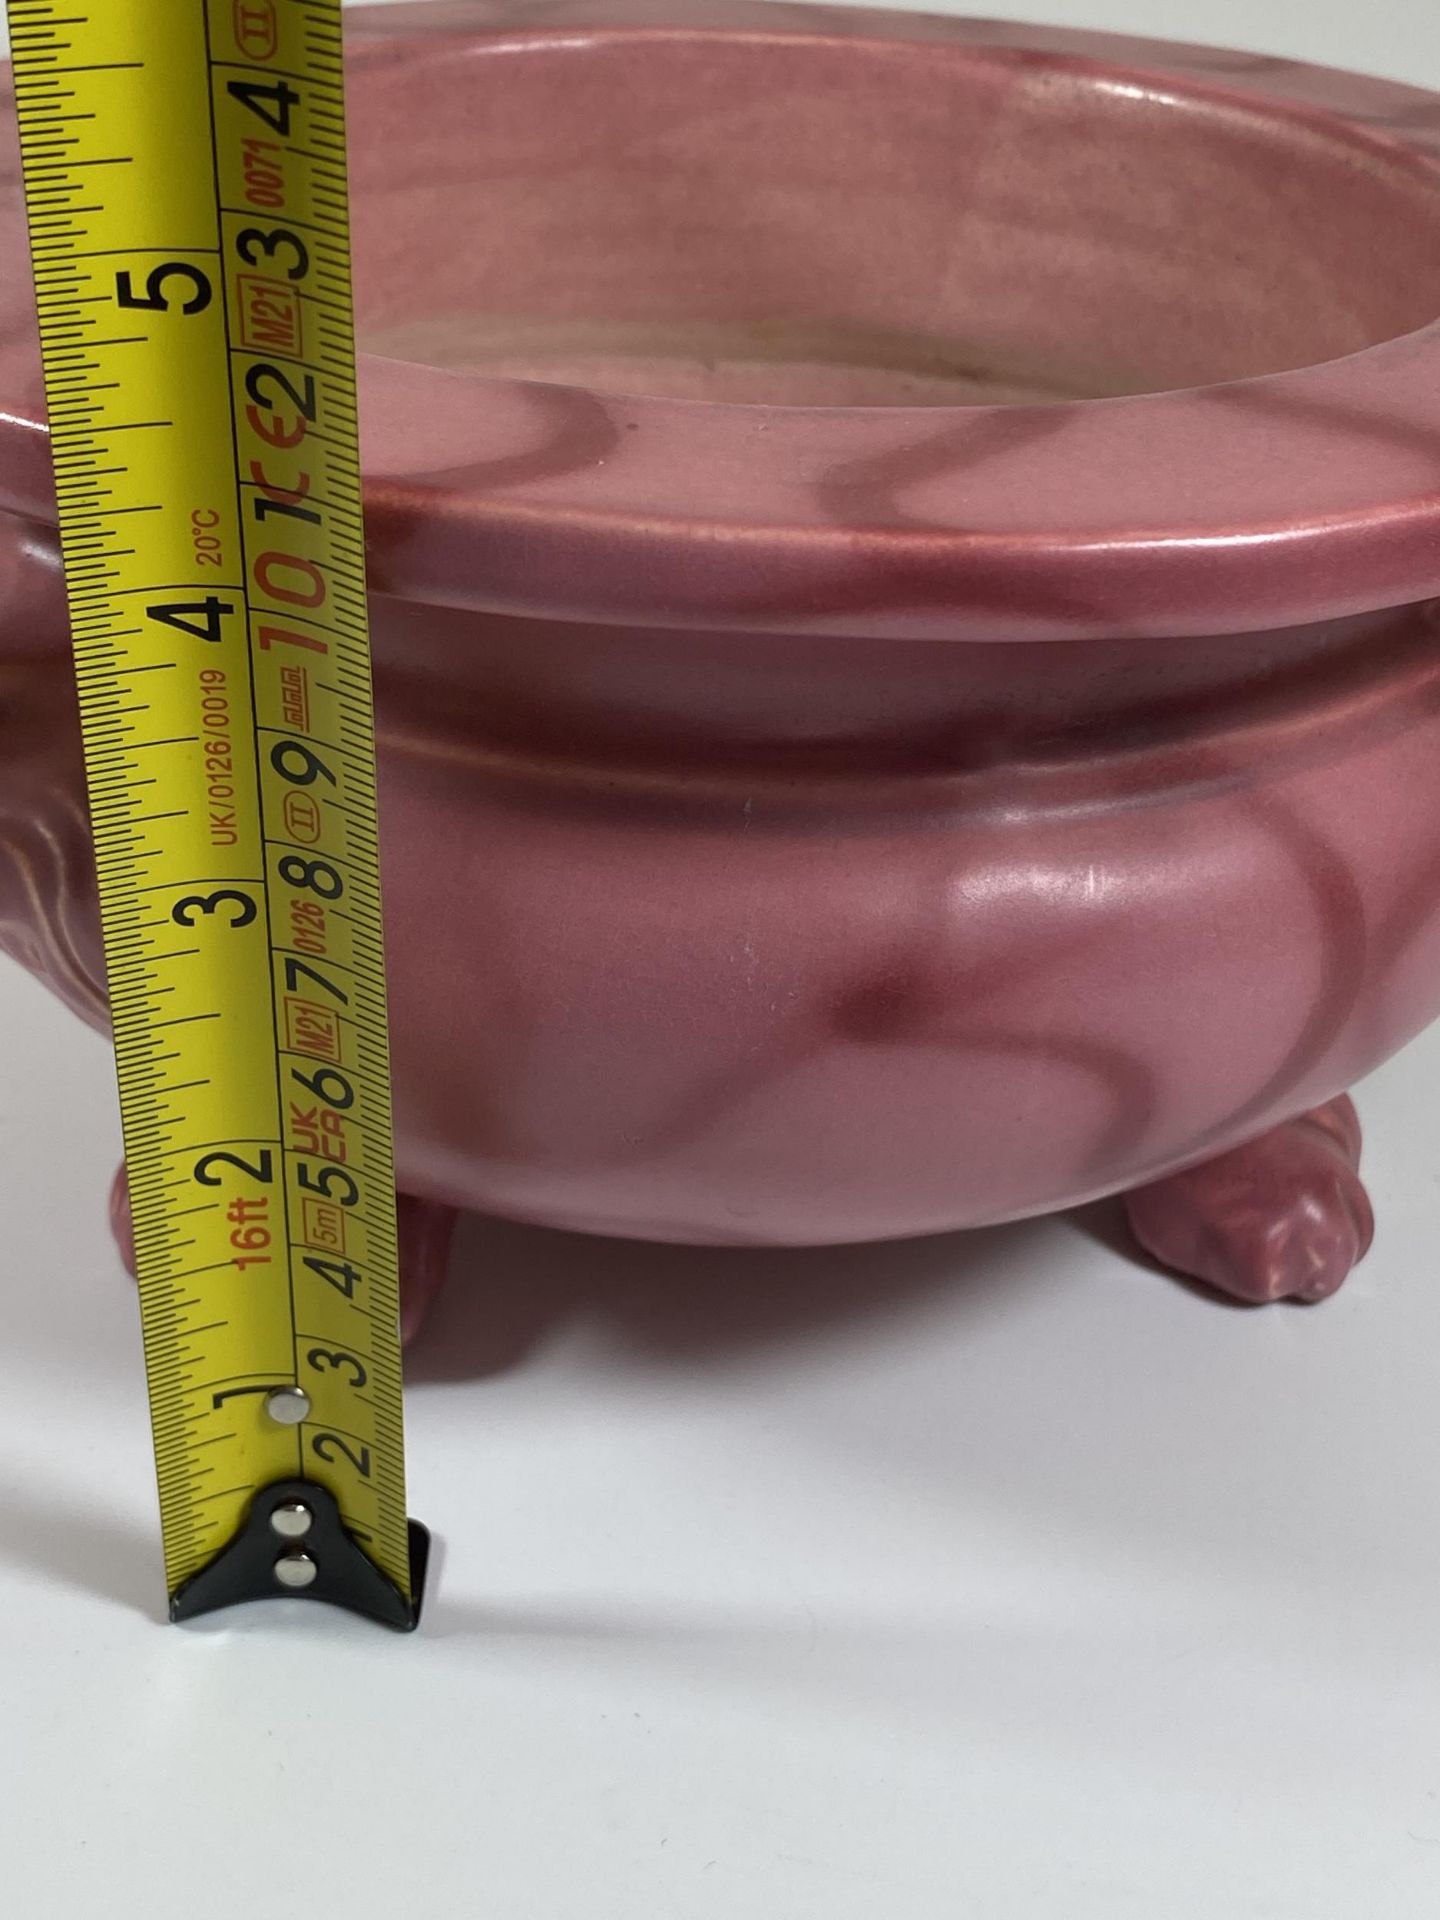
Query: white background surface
(991,1576)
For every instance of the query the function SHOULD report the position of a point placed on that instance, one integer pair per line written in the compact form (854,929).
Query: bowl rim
(1317,485)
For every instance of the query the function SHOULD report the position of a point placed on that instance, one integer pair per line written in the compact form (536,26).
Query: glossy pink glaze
(810,822)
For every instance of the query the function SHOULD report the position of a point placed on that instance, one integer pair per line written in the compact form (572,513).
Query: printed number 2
(324,1442)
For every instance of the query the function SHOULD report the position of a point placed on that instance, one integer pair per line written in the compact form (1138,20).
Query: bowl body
(903,561)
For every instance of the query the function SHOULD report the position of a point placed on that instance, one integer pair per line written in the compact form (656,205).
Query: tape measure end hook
(294,1545)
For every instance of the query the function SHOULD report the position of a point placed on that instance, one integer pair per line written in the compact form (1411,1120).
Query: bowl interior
(808,222)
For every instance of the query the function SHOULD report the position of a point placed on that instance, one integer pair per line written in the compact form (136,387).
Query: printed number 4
(271,104)
(198,617)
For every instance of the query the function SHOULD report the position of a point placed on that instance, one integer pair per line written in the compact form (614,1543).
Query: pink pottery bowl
(904,559)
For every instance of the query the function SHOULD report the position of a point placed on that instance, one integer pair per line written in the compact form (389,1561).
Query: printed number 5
(153,298)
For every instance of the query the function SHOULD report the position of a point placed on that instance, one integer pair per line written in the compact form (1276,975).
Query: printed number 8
(314,876)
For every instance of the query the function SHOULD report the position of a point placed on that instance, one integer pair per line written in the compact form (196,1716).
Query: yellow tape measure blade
(185,179)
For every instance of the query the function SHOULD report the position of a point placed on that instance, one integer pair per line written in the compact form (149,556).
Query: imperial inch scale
(185,181)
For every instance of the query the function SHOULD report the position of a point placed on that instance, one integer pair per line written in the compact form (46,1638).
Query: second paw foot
(1283,1217)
